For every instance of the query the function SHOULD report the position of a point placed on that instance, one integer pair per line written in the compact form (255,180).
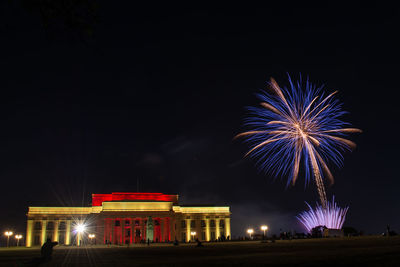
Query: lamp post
(264,228)
(250,231)
(193,234)
(8,234)
(91,236)
(80,229)
(18,237)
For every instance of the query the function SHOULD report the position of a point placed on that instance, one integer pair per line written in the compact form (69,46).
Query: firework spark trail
(298,126)
(331,216)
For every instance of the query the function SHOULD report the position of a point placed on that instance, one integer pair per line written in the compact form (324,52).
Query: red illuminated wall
(98,199)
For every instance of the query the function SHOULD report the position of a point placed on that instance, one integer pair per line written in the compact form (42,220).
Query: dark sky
(97,95)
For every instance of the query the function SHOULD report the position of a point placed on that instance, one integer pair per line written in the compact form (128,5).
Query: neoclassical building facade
(126,218)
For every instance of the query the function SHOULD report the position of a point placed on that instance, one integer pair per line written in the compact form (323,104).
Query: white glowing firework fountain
(332,216)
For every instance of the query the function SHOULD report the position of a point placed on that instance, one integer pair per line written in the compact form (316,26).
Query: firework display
(331,217)
(298,127)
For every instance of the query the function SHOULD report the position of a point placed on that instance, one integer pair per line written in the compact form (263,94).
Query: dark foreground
(365,251)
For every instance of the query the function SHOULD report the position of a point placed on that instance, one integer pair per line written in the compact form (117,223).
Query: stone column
(132,228)
(217,233)
(55,233)
(68,232)
(29,234)
(178,231)
(112,231)
(162,231)
(122,239)
(228,228)
(122,231)
(101,239)
(43,233)
(167,229)
(105,230)
(188,235)
(172,229)
(143,230)
(208,230)
(109,230)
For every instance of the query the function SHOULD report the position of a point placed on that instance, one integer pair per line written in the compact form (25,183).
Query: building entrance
(137,235)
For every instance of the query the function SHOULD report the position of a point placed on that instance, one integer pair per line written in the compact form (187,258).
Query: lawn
(355,251)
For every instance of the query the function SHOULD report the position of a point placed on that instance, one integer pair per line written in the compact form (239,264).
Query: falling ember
(331,216)
(298,126)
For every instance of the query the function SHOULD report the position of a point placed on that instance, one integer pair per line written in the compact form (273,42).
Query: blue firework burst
(294,126)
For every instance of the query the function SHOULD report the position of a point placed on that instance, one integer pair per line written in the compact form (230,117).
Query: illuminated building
(126,218)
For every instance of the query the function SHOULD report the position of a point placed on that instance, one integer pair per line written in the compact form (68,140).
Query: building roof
(98,199)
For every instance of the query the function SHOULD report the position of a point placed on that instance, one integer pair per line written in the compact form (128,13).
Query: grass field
(360,251)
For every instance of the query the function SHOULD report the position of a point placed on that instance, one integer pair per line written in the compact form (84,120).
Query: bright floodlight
(18,237)
(8,233)
(80,228)
(250,231)
(264,228)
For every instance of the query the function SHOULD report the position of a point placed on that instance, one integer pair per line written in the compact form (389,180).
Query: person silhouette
(47,250)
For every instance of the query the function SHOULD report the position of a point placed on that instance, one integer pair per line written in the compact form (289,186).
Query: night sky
(97,96)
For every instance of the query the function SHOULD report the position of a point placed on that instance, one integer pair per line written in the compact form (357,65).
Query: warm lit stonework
(125,218)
